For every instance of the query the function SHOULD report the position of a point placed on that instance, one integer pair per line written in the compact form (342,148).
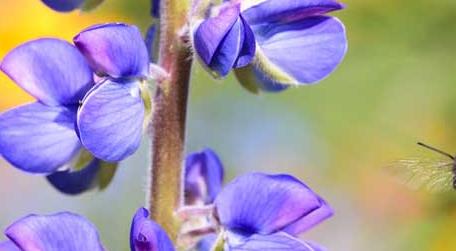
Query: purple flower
(225,41)
(146,235)
(40,137)
(70,232)
(256,211)
(283,42)
(203,177)
(110,119)
(70,5)
(266,212)
(58,232)
(72,113)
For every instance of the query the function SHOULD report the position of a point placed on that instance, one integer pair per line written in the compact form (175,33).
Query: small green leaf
(106,174)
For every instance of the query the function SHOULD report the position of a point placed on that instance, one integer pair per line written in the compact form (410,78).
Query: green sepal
(146,96)
(219,244)
(89,5)
(247,79)
(82,160)
(271,70)
(106,174)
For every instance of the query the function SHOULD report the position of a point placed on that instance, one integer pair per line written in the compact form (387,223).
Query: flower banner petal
(38,138)
(267,11)
(260,203)
(203,177)
(58,232)
(51,70)
(115,49)
(301,52)
(146,235)
(63,5)
(274,242)
(110,120)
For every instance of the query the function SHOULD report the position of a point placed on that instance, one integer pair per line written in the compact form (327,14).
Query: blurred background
(396,86)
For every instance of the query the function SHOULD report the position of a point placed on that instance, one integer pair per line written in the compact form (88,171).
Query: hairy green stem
(169,116)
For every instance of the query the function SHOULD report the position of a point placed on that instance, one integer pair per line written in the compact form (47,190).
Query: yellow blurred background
(396,86)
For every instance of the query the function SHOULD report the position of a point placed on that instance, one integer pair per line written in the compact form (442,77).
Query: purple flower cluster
(89,110)
(253,212)
(92,101)
(272,44)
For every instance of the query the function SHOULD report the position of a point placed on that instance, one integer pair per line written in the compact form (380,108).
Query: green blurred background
(396,86)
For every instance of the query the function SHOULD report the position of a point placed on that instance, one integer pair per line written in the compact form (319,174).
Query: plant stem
(169,116)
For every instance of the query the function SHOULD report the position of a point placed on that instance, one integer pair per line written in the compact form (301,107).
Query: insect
(435,174)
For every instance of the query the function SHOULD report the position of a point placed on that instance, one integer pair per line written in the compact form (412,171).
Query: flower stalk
(167,130)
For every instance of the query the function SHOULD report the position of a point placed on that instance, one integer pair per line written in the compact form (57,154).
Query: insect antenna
(436,150)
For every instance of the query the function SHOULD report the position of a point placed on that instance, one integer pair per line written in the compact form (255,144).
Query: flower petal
(63,5)
(275,242)
(89,177)
(247,52)
(268,11)
(150,41)
(110,120)
(211,32)
(203,177)
(8,246)
(37,138)
(75,182)
(58,232)
(115,49)
(206,243)
(300,52)
(260,203)
(323,212)
(155,8)
(51,70)
(146,235)
(315,246)
(228,50)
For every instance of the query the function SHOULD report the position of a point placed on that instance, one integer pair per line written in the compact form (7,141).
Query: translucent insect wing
(435,175)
